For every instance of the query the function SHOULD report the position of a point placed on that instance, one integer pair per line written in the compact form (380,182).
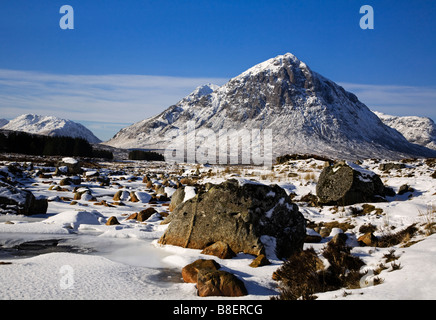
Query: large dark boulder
(346,183)
(14,200)
(238,215)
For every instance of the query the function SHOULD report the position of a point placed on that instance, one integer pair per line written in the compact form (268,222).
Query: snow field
(126,262)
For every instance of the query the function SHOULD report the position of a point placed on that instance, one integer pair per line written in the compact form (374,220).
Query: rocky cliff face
(303,111)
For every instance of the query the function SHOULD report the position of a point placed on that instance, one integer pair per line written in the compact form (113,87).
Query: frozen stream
(129,251)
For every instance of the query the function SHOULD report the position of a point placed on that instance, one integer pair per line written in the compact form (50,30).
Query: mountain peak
(50,126)
(200,91)
(274,65)
(306,112)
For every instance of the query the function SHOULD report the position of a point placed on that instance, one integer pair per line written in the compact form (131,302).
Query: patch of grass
(365,209)
(344,226)
(393,239)
(395,266)
(298,276)
(302,275)
(367,228)
(429,219)
(380,268)
(390,256)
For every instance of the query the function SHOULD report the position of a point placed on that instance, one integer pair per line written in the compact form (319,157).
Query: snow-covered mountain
(419,130)
(50,126)
(306,112)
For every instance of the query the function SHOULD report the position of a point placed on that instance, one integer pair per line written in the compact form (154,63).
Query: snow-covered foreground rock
(71,253)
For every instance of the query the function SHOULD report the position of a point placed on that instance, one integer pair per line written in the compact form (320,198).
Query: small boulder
(112,221)
(121,195)
(145,214)
(65,182)
(405,188)
(368,239)
(190,271)
(339,239)
(177,198)
(259,261)
(219,283)
(391,166)
(133,197)
(219,249)
(312,236)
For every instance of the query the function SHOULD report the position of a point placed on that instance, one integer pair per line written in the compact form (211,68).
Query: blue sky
(128,60)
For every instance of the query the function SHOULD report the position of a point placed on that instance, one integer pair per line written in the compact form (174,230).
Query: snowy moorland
(71,253)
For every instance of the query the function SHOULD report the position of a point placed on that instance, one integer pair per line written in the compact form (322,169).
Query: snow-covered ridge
(419,130)
(50,126)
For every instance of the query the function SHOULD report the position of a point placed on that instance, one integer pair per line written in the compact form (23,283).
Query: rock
(133,197)
(177,198)
(324,232)
(17,201)
(161,190)
(103,180)
(219,283)
(74,180)
(73,166)
(112,221)
(121,195)
(65,182)
(312,236)
(219,249)
(239,216)
(145,214)
(368,239)
(261,260)
(190,271)
(391,166)
(339,239)
(346,183)
(405,188)
(311,199)
(389,192)
(133,216)
(83,194)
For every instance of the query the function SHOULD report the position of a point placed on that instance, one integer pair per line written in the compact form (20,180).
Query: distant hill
(50,126)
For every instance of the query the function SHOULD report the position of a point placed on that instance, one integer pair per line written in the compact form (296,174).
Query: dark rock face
(347,183)
(238,215)
(17,201)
